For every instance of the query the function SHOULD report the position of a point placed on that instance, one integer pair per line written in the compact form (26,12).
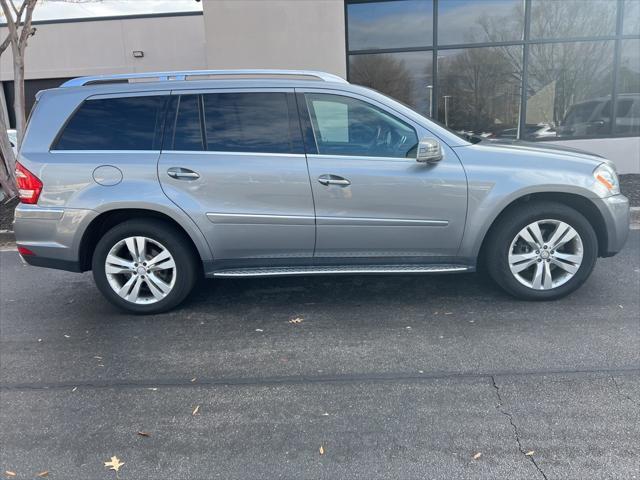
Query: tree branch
(13,5)
(5,44)
(26,28)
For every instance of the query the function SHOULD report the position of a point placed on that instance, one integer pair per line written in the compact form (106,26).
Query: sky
(60,9)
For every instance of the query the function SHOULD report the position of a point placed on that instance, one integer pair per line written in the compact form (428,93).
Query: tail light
(29,186)
(24,251)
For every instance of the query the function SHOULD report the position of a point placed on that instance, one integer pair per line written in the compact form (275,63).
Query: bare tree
(19,30)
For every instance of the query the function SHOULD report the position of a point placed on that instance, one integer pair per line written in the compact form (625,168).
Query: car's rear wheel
(541,250)
(144,266)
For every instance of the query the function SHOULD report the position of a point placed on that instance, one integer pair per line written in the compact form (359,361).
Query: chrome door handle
(182,173)
(333,180)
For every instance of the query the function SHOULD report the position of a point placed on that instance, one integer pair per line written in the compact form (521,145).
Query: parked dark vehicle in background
(593,117)
(152,184)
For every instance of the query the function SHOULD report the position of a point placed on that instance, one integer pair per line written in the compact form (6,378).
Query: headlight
(606,177)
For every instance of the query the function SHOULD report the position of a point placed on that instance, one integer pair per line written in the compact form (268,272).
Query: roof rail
(183,75)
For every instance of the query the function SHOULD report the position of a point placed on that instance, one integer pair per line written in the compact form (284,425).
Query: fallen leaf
(114,463)
(448,313)
(67,336)
(153,389)
(193,379)
(9,473)
(259,330)
(39,339)
(74,389)
(530,453)
(144,434)
(477,456)
(296,321)
(196,410)
(97,357)
(321,450)
(43,474)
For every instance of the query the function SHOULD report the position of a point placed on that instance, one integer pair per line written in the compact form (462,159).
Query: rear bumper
(37,261)
(616,214)
(53,234)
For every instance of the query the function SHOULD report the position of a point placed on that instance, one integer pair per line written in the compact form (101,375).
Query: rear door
(234,161)
(372,198)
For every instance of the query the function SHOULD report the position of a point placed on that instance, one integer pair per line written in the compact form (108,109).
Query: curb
(7,236)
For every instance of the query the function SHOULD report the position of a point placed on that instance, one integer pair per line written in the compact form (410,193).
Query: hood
(542,147)
(527,150)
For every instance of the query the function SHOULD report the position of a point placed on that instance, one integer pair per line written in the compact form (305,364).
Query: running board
(340,270)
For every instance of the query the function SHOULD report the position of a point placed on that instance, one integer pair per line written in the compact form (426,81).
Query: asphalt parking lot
(394,377)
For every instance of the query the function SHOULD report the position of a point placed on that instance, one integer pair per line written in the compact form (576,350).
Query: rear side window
(257,122)
(127,123)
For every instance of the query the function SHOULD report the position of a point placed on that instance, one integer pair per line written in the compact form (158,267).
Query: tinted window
(471,21)
(391,24)
(188,132)
(631,19)
(347,126)
(405,76)
(628,116)
(479,90)
(130,123)
(572,18)
(568,86)
(250,122)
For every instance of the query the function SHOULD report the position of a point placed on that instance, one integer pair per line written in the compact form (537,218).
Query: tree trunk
(19,96)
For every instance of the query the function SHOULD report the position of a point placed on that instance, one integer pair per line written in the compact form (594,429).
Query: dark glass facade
(528,69)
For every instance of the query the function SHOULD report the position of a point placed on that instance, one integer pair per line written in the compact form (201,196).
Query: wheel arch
(578,202)
(109,219)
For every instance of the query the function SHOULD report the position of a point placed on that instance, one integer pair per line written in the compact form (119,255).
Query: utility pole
(446,109)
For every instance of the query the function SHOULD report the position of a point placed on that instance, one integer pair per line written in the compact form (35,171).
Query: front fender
(497,179)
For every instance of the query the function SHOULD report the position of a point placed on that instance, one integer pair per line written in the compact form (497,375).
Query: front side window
(347,126)
(127,123)
(256,122)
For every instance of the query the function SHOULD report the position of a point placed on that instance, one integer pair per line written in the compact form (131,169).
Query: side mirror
(429,151)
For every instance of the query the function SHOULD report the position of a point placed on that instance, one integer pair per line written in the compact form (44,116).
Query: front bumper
(53,234)
(617,217)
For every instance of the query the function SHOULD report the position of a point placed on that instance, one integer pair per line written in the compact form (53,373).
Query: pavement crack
(507,414)
(623,395)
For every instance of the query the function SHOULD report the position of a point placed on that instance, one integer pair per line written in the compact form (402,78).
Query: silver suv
(154,180)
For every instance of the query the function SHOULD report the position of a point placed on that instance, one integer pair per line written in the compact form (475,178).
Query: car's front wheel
(144,266)
(541,251)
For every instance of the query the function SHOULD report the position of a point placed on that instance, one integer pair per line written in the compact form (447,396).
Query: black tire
(174,241)
(513,221)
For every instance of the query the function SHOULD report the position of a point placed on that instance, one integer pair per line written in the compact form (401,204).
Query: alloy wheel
(140,270)
(545,254)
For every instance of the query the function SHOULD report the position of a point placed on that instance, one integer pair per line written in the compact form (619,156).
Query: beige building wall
(294,34)
(79,48)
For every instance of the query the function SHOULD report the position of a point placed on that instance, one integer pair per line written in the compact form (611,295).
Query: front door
(234,161)
(372,198)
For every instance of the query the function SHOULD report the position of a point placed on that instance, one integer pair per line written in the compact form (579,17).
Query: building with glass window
(563,71)
(535,70)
